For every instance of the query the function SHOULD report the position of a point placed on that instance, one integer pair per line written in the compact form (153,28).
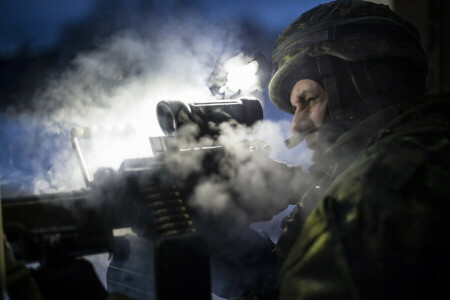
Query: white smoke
(115,89)
(245,181)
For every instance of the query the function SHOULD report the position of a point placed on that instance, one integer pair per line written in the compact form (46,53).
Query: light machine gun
(143,195)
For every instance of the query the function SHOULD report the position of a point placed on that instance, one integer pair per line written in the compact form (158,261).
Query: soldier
(375,224)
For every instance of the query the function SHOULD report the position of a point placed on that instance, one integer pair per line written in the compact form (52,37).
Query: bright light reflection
(123,134)
(111,152)
(241,75)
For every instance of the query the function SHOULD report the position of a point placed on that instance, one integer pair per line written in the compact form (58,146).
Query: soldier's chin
(311,140)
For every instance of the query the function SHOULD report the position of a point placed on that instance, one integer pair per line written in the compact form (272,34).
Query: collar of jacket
(344,150)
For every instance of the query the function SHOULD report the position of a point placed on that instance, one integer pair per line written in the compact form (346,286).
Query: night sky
(39,23)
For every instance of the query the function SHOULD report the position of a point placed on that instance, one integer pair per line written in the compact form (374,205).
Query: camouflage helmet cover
(351,30)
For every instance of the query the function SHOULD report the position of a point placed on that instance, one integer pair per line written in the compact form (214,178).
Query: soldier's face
(309,101)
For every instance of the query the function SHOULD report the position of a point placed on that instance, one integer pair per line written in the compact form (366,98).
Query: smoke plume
(114,90)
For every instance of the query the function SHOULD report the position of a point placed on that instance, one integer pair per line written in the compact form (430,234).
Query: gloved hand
(10,261)
(19,283)
(70,279)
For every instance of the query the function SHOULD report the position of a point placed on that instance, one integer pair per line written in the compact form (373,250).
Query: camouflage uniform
(380,229)
(374,225)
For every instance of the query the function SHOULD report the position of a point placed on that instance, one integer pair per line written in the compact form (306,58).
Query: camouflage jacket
(379,225)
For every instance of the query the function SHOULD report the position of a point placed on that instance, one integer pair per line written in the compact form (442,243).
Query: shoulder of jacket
(387,165)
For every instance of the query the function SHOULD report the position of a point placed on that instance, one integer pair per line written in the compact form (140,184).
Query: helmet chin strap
(363,85)
(345,101)
(329,73)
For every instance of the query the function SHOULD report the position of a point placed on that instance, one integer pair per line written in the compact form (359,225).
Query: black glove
(71,279)
(19,283)
(11,264)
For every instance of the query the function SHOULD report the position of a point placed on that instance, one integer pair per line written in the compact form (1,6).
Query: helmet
(334,44)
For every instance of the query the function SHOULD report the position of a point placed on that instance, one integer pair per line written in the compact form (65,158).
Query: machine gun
(144,195)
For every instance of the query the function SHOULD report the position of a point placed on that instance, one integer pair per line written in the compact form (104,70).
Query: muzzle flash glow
(241,75)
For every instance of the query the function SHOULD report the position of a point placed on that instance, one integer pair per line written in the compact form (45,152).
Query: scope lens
(252,111)
(166,119)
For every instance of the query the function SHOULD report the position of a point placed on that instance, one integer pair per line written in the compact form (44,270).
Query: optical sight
(173,114)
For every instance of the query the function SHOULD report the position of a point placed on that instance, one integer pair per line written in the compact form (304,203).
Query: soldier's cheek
(311,140)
